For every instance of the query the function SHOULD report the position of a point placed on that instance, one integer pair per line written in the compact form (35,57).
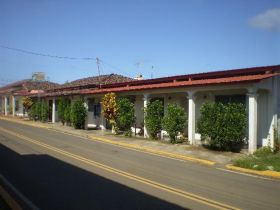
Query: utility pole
(98,69)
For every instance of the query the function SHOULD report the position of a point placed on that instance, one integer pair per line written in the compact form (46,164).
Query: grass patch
(261,160)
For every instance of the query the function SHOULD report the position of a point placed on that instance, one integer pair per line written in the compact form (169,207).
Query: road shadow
(53,184)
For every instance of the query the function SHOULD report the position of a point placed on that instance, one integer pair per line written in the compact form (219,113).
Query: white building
(257,87)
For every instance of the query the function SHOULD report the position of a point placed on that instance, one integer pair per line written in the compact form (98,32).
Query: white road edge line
(241,173)
(19,194)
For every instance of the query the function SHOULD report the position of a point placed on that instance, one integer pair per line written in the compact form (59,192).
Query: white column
(53,110)
(86,119)
(13,105)
(146,101)
(103,120)
(191,117)
(5,106)
(252,96)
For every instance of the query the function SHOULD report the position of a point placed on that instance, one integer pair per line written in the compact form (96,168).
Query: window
(91,104)
(225,99)
(97,110)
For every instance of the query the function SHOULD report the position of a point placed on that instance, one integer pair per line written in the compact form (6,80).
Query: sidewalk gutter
(122,144)
(267,173)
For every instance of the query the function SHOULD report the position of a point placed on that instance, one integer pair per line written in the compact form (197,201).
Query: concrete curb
(125,145)
(273,174)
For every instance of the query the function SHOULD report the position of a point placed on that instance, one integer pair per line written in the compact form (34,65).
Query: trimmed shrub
(44,111)
(78,114)
(223,125)
(67,114)
(61,108)
(174,121)
(125,115)
(35,111)
(153,118)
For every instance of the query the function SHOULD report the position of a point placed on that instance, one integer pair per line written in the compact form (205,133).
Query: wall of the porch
(19,109)
(92,120)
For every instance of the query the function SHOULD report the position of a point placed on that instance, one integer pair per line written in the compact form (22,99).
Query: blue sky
(153,37)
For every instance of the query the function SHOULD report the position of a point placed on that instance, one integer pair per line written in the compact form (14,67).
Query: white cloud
(268,20)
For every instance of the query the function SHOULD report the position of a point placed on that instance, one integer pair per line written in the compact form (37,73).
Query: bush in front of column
(175,121)
(153,118)
(223,126)
(78,114)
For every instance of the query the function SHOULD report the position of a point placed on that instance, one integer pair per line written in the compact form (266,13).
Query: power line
(64,57)
(45,55)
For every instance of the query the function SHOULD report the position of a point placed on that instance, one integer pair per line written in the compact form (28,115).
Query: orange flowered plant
(109,107)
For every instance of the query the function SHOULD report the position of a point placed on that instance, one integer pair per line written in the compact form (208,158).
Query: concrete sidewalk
(178,151)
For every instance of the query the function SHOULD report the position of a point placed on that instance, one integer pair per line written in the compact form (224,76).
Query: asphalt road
(60,171)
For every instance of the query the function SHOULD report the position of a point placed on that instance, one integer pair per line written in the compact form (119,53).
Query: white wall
(265,117)
(139,111)
(94,121)
(19,112)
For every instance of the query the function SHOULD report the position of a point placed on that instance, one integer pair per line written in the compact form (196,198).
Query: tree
(78,113)
(223,125)
(125,115)
(174,121)
(109,108)
(153,117)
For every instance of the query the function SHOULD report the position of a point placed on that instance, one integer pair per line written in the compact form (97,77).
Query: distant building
(11,95)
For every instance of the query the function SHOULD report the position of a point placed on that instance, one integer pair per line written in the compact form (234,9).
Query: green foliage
(153,118)
(223,125)
(109,107)
(125,115)
(35,111)
(62,104)
(67,114)
(44,111)
(263,159)
(174,121)
(39,111)
(264,151)
(78,114)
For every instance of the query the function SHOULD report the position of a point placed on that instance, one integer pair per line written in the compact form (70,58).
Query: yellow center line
(154,184)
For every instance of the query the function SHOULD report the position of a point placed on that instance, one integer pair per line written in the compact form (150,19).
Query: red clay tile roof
(178,84)
(205,75)
(27,85)
(95,81)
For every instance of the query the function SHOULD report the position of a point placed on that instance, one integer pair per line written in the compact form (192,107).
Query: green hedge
(39,111)
(174,121)
(67,114)
(78,114)
(62,108)
(44,111)
(125,116)
(223,126)
(153,118)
